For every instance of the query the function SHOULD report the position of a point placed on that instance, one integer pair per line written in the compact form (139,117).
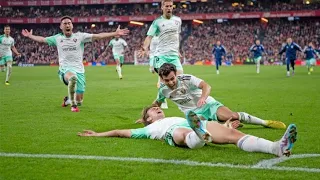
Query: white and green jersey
(70,49)
(158,129)
(5,45)
(186,95)
(153,45)
(118,46)
(168,31)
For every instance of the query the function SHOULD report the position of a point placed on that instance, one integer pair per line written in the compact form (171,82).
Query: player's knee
(233,136)
(9,66)
(234,116)
(73,79)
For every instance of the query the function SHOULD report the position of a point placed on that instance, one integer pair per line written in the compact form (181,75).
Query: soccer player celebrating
(257,50)
(168,28)
(70,51)
(190,93)
(176,131)
(310,54)
(6,45)
(218,53)
(291,49)
(119,47)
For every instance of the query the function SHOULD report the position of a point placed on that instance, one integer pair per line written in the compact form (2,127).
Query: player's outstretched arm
(126,133)
(118,32)
(29,34)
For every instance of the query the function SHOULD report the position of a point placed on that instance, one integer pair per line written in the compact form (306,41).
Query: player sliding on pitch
(176,131)
(190,93)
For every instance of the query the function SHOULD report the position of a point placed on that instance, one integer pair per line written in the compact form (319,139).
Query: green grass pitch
(33,122)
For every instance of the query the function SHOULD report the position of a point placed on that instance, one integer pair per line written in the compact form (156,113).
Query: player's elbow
(208,87)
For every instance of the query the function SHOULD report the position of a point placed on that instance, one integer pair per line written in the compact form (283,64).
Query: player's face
(257,42)
(155,113)
(66,26)
(170,80)
(117,37)
(167,9)
(218,43)
(6,30)
(289,40)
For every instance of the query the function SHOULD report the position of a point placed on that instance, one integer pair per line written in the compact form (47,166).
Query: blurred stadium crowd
(147,9)
(196,39)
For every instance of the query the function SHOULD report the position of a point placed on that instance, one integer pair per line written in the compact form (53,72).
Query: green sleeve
(110,43)
(160,97)
(140,133)
(153,29)
(1,37)
(52,40)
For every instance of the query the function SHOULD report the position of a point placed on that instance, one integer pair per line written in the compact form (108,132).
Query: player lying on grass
(176,131)
(191,93)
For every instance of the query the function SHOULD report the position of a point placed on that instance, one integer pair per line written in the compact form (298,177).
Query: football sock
(249,119)
(9,70)
(254,144)
(119,70)
(193,141)
(71,89)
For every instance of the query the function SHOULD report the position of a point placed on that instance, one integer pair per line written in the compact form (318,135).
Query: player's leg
(308,65)
(217,66)
(222,135)
(121,60)
(81,86)
(257,60)
(217,111)
(118,66)
(71,78)
(2,63)
(312,64)
(288,66)
(187,137)
(292,63)
(8,60)
(249,143)
(224,114)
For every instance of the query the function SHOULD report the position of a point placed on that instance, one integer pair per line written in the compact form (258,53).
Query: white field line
(265,164)
(271,162)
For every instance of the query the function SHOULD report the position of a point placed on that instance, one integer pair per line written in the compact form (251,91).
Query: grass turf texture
(33,122)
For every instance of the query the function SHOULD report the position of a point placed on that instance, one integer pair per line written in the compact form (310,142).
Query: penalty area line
(265,166)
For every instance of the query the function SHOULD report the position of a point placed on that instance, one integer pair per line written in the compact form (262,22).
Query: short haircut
(163,1)
(145,115)
(6,26)
(65,17)
(166,69)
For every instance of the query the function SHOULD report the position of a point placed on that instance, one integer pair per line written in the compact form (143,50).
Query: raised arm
(120,32)
(125,133)
(29,34)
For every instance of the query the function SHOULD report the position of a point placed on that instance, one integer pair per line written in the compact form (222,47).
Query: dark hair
(65,17)
(166,69)
(145,115)
(6,26)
